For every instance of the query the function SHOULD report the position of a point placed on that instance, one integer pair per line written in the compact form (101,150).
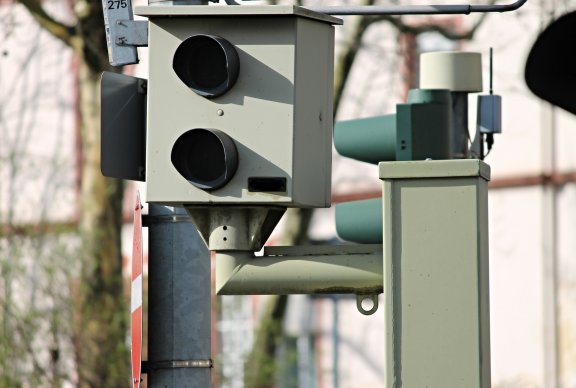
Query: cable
(489,142)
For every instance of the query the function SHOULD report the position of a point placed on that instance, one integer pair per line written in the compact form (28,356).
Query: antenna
(491,72)
(489,118)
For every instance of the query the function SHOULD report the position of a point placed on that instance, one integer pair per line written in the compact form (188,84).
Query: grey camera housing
(278,113)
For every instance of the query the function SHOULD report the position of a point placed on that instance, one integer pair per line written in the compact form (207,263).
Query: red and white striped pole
(136,296)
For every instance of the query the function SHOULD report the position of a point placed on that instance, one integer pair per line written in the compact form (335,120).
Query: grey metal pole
(178,301)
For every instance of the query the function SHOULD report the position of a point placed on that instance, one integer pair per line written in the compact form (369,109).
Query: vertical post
(336,341)
(179,273)
(178,301)
(550,308)
(461,136)
(435,252)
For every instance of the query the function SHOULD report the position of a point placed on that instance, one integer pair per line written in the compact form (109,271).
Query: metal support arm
(442,9)
(301,270)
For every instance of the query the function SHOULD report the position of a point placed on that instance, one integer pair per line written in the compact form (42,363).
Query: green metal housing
(420,129)
(360,221)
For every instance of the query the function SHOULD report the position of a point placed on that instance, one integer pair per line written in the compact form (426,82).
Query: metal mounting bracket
(132,33)
(373,298)
(123,34)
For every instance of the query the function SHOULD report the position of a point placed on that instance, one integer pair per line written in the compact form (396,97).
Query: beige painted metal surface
(279,112)
(436,274)
(251,10)
(337,269)
(453,70)
(235,228)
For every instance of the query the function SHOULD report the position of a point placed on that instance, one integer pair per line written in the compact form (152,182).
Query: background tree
(99,318)
(99,327)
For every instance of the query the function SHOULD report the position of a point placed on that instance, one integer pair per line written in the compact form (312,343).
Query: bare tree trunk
(101,320)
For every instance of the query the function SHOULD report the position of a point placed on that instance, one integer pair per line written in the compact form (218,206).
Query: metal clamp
(148,366)
(148,220)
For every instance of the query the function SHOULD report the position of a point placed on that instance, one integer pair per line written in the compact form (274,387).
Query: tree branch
(431,25)
(344,61)
(59,30)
